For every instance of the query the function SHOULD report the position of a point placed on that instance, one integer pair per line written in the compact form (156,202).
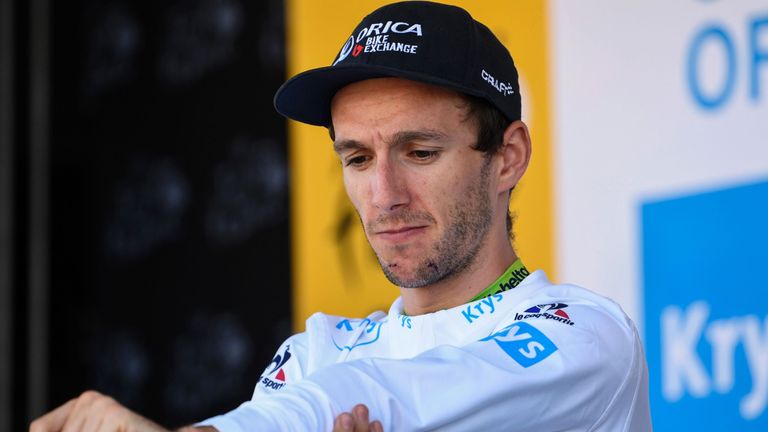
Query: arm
(522,379)
(516,379)
(94,411)
(64,417)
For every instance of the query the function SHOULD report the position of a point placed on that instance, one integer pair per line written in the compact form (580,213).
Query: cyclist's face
(422,193)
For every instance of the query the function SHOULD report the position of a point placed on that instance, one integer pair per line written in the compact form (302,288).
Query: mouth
(400,233)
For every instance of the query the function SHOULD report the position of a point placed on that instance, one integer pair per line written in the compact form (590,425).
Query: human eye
(424,155)
(356,161)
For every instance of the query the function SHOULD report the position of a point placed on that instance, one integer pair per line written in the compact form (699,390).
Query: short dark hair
(490,121)
(491,124)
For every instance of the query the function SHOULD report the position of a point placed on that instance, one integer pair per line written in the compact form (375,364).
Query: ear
(515,153)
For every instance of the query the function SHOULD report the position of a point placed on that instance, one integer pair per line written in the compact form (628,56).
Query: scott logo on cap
(377,39)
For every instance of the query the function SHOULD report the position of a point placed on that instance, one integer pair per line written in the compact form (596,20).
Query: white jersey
(537,357)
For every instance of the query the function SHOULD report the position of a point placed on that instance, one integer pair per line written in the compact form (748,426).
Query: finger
(119,418)
(92,424)
(101,412)
(54,420)
(110,416)
(343,423)
(360,414)
(82,411)
(97,419)
(377,427)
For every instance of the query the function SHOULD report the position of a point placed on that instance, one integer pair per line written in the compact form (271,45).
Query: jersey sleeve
(288,366)
(525,376)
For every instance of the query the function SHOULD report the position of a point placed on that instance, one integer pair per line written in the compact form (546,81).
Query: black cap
(417,40)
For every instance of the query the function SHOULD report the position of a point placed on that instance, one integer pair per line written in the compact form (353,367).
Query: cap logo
(376,38)
(389,26)
(505,89)
(345,50)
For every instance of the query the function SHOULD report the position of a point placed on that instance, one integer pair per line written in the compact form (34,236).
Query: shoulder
(333,338)
(326,340)
(323,320)
(321,324)
(572,312)
(586,326)
(575,333)
(289,365)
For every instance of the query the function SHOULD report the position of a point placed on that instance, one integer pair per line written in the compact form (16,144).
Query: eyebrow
(347,144)
(404,137)
(398,139)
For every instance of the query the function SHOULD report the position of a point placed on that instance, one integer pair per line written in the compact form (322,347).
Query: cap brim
(307,96)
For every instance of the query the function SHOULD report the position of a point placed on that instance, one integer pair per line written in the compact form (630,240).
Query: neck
(458,289)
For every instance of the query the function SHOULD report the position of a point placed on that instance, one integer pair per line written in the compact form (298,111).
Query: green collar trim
(510,279)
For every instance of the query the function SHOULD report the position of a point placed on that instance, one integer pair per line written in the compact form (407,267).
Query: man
(423,105)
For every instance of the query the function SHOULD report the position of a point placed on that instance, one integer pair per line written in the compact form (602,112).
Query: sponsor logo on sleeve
(551,311)
(274,377)
(368,332)
(524,343)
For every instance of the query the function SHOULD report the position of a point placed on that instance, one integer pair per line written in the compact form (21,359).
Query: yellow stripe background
(334,269)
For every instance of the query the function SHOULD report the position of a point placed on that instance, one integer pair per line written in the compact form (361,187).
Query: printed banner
(660,167)
(704,261)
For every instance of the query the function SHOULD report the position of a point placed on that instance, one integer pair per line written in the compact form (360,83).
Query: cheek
(451,192)
(436,195)
(355,193)
(448,184)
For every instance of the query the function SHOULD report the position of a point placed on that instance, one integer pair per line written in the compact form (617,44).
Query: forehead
(396,101)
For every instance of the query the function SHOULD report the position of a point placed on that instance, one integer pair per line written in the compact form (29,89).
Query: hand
(93,412)
(356,421)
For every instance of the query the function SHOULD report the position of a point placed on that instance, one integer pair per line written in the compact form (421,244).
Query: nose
(389,190)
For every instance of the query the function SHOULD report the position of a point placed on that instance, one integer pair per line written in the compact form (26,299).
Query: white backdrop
(654,101)
(627,128)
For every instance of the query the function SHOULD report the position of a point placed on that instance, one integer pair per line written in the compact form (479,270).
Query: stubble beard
(456,251)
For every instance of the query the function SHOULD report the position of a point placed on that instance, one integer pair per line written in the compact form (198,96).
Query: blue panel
(706,309)
(526,344)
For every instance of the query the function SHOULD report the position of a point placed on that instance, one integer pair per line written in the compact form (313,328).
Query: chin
(394,269)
